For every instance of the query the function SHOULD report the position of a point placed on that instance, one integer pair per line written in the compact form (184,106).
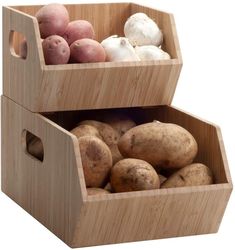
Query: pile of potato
(73,42)
(119,156)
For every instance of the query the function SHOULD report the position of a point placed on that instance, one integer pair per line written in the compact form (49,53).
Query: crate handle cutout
(17,26)
(32,145)
(18,44)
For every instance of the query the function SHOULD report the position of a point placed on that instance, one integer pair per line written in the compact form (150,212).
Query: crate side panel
(49,190)
(21,77)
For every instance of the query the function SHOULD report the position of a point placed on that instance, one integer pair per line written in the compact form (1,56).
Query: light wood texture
(42,88)
(51,190)
(54,191)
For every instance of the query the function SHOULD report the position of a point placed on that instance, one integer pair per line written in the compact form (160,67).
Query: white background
(206,88)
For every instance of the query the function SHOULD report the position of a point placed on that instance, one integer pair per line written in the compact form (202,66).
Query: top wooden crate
(42,88)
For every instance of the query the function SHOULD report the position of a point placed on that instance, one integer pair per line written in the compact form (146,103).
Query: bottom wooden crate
(52,189)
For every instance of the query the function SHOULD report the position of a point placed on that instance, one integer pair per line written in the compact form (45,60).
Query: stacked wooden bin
(42,100)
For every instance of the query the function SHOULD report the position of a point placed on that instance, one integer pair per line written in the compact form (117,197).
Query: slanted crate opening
(54,191)
(209,152)
(110,19)
(44,88)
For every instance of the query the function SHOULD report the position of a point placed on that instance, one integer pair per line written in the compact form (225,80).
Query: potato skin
(77,30)
(83,130)
(52,19)
(23,49)
(56,50)
(192,175)
(87,51)
(162,178)
(108,187)
(161,144)
(35,148)
(96,191)
(121,123)
(109,136)
(116,155)
(96,160)
(133,175)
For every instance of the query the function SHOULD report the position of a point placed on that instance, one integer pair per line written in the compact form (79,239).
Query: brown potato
(23,49)
(83,130)
(96,160)
(53,19)
(133,175)
(116,155)
(35,148)
(162,178)
(56,50)
(160,144)
(97,191)
(109,136)
(87,51)
(192,175)
(167,171)
(77,30)
(108,187)
(121,123)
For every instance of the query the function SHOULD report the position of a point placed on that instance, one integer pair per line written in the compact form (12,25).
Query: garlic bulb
(119,49)
(151,52)
(142,30)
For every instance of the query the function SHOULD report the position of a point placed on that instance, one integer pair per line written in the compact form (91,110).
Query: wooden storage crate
(40,88)
(54,192)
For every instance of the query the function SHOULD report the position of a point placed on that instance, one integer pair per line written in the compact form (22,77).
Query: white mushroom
(142,30)
(119,49)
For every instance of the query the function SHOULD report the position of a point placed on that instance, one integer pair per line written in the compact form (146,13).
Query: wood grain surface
(51,190)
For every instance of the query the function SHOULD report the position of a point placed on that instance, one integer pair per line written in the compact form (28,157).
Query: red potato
(56,50)
(87,51)
(78,29)
(23,49)
(53,19)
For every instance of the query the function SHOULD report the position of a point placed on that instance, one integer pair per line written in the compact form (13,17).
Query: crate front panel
(151,215)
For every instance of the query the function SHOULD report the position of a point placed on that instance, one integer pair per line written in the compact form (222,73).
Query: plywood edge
(76,152)
(158,192)
(12,8)
(176,40)
(192,115)
(110,65)
(146,5)
(224,156)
